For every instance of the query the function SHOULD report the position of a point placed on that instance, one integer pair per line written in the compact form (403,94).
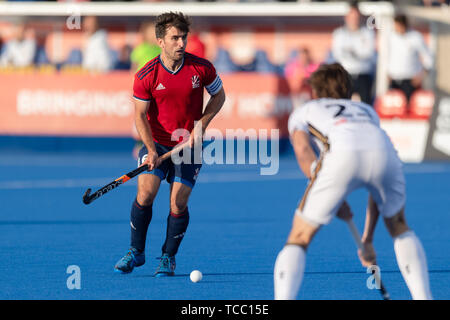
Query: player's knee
(145,197)
(302,236)
(178,206)
(148,186)
(302,232)
(144,200)
(178,201)
(397,224)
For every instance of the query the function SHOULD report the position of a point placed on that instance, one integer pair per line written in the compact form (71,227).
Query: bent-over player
(355,153)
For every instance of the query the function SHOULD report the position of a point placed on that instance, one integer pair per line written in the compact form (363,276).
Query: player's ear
(160,42)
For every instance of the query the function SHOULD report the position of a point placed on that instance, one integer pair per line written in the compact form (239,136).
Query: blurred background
(66,67)
(66,124)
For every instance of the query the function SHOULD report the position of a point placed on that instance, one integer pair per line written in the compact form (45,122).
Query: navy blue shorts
(185,173)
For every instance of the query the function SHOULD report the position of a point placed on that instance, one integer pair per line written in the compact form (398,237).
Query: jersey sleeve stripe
(190,55)
(215,86)
(145,68)
(137,98)
(140,72)
(214,83)
(200,60)
(215,89)
(208,65)
(147,72)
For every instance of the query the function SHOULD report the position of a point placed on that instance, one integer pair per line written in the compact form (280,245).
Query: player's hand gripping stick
(88,197)
(355,233)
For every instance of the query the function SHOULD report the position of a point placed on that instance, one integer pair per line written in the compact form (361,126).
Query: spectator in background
(143,53)
(20,50)
(434,3)
(96,51)
(353,46)
(124,62)
(409,57)
(148,49)
(195,45)
(298,69)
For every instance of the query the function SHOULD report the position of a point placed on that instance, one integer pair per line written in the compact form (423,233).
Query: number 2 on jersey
(358,112)
(340,111)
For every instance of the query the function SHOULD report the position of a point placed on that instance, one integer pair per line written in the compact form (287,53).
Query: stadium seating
(329,57)
(263,65)
(40,57)
(114,56)
(421,104)
(392,104)
(223,62)
(75,57)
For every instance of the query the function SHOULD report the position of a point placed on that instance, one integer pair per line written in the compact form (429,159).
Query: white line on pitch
(205,178)
(98,182)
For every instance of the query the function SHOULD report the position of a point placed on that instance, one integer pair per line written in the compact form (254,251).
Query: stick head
(86,199)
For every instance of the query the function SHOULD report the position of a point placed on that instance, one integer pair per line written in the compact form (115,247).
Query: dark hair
(171,19)
(331,81)
(402,19)
(353,4)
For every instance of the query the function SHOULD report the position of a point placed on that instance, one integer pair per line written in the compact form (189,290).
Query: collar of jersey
(171,72)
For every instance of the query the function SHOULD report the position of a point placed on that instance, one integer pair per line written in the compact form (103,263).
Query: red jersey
(176,98)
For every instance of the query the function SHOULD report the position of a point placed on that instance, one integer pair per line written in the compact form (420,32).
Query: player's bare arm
(367,254)
(145,132)
(306,158)
(303,151)
(213,107)
(372,214)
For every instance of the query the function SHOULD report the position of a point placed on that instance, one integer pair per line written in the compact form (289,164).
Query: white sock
(412,262)
(288,273)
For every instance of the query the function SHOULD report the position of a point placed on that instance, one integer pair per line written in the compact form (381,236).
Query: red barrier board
(102,104)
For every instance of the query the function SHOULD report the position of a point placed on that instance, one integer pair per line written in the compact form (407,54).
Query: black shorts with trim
(185,173)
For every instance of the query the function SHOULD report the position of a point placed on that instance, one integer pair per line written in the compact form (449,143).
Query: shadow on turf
(185,275)
(62,222)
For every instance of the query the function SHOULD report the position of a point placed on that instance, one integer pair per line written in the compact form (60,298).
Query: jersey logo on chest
(160,86)
(195,82)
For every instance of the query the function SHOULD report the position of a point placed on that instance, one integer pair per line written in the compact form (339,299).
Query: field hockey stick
(88,197)
(355,233)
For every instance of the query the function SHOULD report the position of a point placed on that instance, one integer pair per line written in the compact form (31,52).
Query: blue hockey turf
(239,222)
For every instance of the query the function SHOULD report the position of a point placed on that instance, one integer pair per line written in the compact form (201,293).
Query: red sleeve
(141,88)
(212,81)
(210,74)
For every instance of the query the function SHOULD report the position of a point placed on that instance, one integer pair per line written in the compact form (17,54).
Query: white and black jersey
(356,153)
